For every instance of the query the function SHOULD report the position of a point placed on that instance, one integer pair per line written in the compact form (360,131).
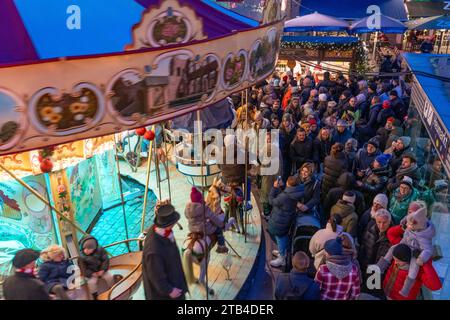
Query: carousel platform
(225,288)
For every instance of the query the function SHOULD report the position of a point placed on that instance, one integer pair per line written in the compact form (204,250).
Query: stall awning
(422,9)
(325,40)
(353,10)
(432,96)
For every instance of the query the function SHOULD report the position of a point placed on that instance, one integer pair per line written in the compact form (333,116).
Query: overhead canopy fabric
(387,25)
(216,116)
(353,10)
(430,23)
(325,40)
(315,22)
(423,9)
(29,34)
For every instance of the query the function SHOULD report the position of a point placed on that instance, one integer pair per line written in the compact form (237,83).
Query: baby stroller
(305,227)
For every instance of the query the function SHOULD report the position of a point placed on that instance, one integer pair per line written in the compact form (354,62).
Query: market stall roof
(387,25)
(430,23)
(423,9)
(27,33)
(437,90)
(315,22)
(325,40)
(352,10)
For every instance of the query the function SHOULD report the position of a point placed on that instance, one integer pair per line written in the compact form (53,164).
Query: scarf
(339,266)
(165,233)
(30,271)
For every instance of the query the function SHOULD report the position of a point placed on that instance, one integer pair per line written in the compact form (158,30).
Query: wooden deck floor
(217,275)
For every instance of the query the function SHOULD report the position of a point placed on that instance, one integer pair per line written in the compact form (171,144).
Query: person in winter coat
(96,263)
(322,146)
(261,122)
(56,271)
(375,178)
(401,198)
(162,270)
(365,157)
(297,285)
(341,134)
(369,129)
(398,105)
(380,201)
(309,203)
(389,133)
(346,209)
(350,150)
(418,235)
(339,277)
(399,148)
(345,182)
(294,109)
(284,204)
(398,272)
(408,168)
(374,243)
(196,211)
(431,171)
(232,173)
(426,46)
(334,165)
(385,113)
(287,135)
(301,149)
(24,285)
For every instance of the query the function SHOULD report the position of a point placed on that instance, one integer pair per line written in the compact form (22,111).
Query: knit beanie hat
(349,197)
(334,247)
(312,121)
(402,252)
(410,156)
(332,104)
(386,104)
(383,159)
(300,261)
(405,140)
(418,218)
(408,181)
(323,97)
(287,117)
(196,196)
(374,142)
(341,123)
(381,199)
(440,184)
(390,119)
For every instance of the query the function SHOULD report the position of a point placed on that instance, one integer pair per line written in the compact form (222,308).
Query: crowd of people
(350,158)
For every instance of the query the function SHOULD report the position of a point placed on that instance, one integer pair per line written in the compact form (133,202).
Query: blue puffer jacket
(284,208)
(53,273)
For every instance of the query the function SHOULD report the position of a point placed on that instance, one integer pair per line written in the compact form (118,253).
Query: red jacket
(286,99)
(395,278)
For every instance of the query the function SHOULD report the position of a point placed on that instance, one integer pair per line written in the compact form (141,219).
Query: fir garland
(360,54)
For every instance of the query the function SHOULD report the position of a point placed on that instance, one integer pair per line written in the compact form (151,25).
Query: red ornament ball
(46,165)
(149,135)
(141,131)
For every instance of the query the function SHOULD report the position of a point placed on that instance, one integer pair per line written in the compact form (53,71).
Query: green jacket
(399,208)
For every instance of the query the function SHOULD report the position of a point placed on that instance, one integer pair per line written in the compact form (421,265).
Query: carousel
(69,116)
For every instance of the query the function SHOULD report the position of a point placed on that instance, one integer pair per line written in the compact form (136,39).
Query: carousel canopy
(431,23)
(387,25)
(28,33)
(315,22)
(352,10)
(217,116)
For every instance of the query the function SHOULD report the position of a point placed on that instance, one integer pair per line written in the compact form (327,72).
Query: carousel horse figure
(197,246)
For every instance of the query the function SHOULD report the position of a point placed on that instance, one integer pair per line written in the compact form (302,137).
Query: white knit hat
(381,199)
(323,97)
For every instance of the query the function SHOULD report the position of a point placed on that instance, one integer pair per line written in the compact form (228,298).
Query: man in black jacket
(162,270)
(24,285)
(301,149)
(309,203)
